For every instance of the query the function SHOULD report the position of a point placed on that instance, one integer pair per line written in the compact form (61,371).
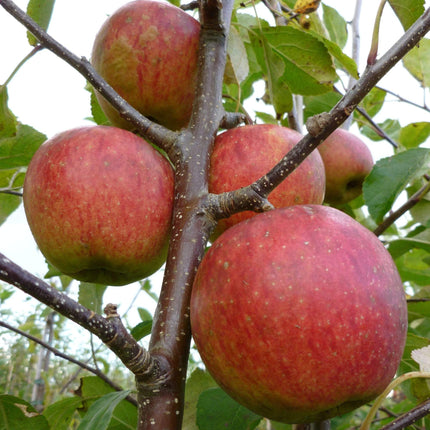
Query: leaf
(318,104)
(416,61)
(60,414)
(91,296)
(40,11)
(141,330)
(374,101)
(100,413)
(17,151)
(391,127)
(237,67)
(292,61)
(414,134)
(273,68)
(8,120)
(389,178)
(16,413)
(217,411)
(414,268)
(198,382)
(92,388)
(408,11)
(335,25)
(9,180)
(345,62)
(403,245)
(98,116)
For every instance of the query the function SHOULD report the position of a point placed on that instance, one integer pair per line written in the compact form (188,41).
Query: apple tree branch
(110,329)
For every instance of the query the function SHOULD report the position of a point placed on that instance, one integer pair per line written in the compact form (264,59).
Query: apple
(147,51)
(347,161)
(299,314)
(244,154)
(99,202)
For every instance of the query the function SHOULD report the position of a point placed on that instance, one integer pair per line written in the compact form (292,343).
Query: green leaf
(8,120)
(389,178)
(91,296)
(273,68)
(40,11)
(416,61)
(98,116)
(217,411)
(401,246)
(408,11)
(17,151)
(374,101)
(198,382)
(124,415)
(60,414)
(292,61)
(16,413)
(142,329)
(237,67)
(318,104)
(414,267)
(100,413)
(144,314)
(344,62)
(266,117)
(335,25)
(414,134)
(9,180)
(391,127)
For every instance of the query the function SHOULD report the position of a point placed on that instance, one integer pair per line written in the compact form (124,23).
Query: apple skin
(99,202)
(347,161)
(147,51)
(244,154)
(299,314)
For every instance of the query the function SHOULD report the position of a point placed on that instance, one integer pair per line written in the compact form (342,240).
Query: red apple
(244,154)
(347,161)
(299,314)
(99,204)
(147,51)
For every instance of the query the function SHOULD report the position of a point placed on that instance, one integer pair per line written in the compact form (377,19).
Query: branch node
(316,124)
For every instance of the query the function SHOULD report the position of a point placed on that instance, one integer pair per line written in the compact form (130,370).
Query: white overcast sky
(48,94)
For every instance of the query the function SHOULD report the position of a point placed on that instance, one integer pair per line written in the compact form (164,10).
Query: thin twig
(60,354)
(410,417)
(394,216)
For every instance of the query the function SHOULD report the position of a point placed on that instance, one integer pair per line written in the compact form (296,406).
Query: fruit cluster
(298,313)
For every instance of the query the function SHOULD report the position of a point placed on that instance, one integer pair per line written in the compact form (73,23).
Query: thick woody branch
(171,333)
(110,329)
(322,125)
(157,134)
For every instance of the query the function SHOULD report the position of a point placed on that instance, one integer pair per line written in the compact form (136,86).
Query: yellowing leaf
(306,6)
